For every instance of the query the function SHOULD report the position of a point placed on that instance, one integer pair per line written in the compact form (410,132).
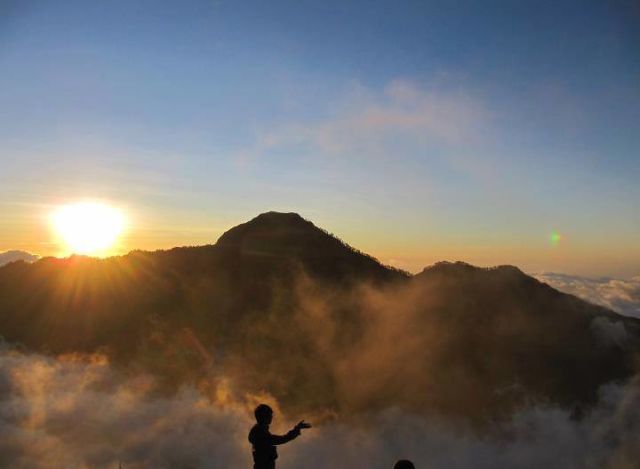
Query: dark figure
(404,464)
(264,443)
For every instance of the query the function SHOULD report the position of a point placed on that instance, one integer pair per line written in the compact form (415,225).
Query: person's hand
(302,424)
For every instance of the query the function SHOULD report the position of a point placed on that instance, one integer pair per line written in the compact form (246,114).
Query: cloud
(78,412)
(403,117)
(539,437)
(619,295)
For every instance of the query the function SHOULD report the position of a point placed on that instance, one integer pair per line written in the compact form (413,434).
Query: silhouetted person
(404,464)
(264,443)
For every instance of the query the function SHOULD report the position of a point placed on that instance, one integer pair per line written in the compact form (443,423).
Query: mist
(77,412)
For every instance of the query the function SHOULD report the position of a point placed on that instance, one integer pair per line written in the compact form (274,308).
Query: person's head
(404,464)
(264,414)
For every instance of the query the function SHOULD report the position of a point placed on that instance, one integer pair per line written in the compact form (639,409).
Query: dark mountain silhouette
(13,256)
(281,306)
(284,237)
(519,340)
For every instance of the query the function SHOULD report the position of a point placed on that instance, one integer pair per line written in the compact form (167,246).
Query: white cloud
(619,295)
(369,124)
(538,437)
(77,412)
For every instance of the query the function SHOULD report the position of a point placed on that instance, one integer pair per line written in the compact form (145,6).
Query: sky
(493,132)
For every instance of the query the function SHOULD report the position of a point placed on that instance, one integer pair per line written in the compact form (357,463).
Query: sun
(89,228)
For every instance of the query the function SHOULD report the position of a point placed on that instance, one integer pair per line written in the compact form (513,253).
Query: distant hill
(13,256)
(279,305)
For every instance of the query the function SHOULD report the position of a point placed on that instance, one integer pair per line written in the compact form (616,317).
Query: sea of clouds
(620,295)
(78,412)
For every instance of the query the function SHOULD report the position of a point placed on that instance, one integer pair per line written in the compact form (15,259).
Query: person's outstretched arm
(291,434)
(282,439)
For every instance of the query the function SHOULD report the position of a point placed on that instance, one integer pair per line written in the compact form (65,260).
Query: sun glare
(88,228)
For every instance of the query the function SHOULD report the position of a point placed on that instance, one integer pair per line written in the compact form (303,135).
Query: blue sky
(416,131)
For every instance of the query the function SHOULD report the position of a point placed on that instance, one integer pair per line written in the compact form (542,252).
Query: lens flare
(88,228)
(555,238)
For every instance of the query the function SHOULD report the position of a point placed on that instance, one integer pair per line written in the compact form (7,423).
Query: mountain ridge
(288,309)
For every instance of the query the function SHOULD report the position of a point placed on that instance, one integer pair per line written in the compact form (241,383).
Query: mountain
(13,256)
(279,305)
(288,236)
(82,303)
(522,337)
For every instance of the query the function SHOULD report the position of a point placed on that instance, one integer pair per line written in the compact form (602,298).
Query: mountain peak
(288,236)
(281,217)
(268,226)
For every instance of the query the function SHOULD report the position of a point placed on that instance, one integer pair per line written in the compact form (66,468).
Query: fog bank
(77,412)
